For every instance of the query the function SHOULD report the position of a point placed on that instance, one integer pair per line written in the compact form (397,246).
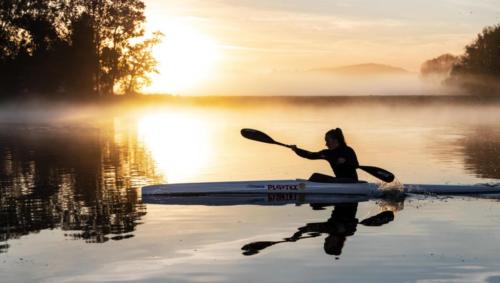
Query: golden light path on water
(174,141)
(198,144)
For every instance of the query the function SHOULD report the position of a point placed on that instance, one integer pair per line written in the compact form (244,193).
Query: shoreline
(160,99)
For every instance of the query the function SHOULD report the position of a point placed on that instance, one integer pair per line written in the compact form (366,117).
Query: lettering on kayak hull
(286,187)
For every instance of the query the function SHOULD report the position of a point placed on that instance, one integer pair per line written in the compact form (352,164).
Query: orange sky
(224,46)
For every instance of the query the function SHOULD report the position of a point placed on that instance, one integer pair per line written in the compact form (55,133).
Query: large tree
(32,43)
(478,70)
(441,65)
(113,24)
(71,46)
(136,66)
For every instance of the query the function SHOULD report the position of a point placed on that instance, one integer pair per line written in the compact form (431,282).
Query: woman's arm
(307,154)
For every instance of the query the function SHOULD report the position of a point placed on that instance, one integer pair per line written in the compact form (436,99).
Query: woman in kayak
(341,157)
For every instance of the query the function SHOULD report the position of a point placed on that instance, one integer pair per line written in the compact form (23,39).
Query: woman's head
(334,138)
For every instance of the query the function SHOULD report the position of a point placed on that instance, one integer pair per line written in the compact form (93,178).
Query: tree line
(477,71)
(76,48)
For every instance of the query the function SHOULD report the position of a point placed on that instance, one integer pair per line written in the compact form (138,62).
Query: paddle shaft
(282,144)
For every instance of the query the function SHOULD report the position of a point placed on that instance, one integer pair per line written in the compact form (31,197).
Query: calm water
(70,207)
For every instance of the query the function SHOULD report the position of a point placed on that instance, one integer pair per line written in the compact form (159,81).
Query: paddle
(256,135)
(256,247)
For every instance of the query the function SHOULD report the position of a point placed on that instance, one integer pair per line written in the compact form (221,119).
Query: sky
(249,46)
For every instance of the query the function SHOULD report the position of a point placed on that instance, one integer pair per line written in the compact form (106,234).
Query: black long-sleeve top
(346,169)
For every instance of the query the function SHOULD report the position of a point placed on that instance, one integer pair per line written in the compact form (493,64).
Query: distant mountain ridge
(363,69)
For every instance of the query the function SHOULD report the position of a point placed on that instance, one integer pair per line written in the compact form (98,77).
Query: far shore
(249,101)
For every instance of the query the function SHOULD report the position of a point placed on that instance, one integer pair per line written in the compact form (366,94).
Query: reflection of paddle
(256,247)
(380,219)
(256,135)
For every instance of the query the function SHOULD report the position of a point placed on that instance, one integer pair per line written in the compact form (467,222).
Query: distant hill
(363,69)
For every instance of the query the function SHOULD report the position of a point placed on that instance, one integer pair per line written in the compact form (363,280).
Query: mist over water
(70,181)
(298,83)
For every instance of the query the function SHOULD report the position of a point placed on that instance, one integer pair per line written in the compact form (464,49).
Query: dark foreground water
(70,206)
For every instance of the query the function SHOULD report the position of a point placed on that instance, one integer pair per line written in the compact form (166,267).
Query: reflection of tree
(82,181)
(482,153)
(341,224)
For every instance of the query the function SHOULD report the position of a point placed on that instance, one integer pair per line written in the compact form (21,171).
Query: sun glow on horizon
(186,58)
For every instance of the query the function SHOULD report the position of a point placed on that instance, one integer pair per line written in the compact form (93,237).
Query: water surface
(71,209)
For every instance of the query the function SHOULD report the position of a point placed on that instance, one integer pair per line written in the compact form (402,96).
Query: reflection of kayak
(298,187)
(252,199)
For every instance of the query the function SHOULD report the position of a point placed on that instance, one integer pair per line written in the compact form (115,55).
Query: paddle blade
(259,245)
(379,219)
(256,135)
(380,173)
(256,247)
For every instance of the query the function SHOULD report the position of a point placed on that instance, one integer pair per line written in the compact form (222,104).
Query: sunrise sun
(186,58)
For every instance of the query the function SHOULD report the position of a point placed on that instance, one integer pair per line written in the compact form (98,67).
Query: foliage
(478,70)
(70,47)
(138,64)
(441,65)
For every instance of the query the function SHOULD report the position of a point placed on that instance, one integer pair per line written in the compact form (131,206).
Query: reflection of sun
(186,57)
(179,144)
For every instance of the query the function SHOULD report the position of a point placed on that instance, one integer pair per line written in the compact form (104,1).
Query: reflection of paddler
(341,224)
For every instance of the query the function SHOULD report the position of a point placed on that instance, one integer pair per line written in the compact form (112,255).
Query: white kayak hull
(300,186)
(452,189)
(262,187)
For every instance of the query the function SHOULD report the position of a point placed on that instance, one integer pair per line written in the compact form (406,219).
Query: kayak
(299,186)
